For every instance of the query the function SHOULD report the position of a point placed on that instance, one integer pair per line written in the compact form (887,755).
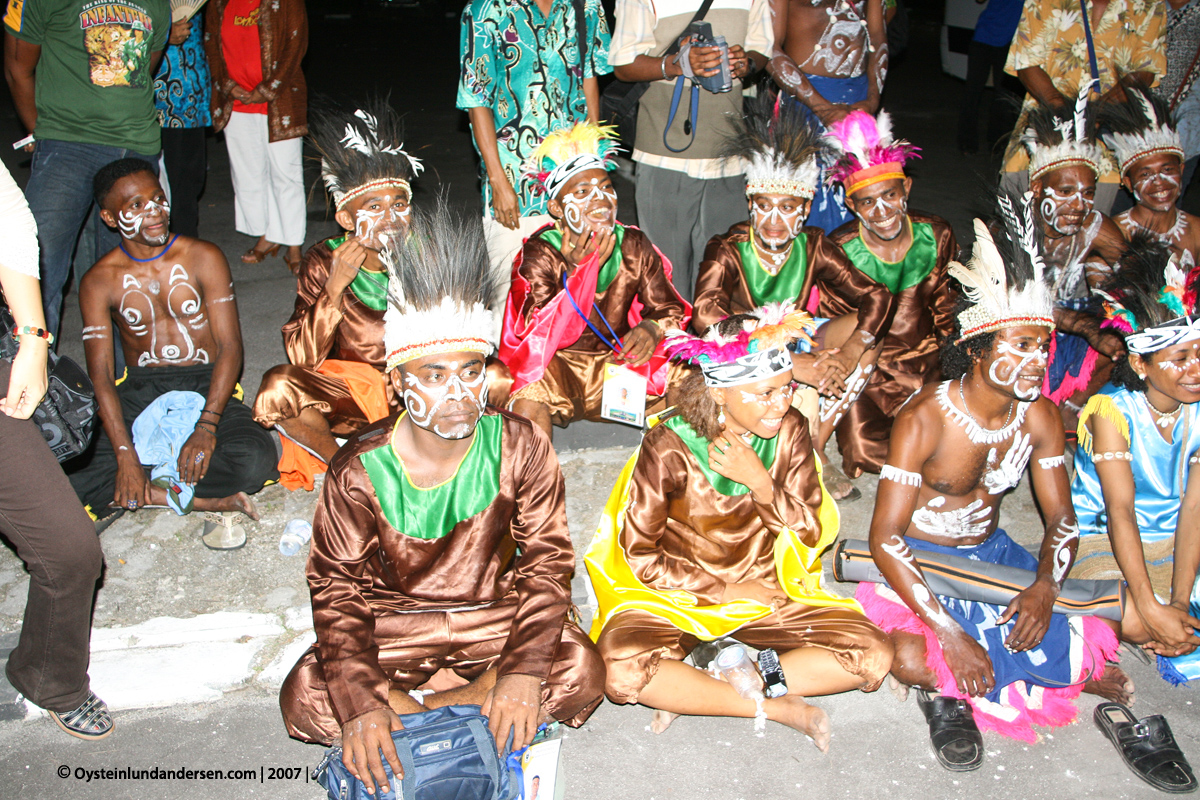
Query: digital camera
(702,36)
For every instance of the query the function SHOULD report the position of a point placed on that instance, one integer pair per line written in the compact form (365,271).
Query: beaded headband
(758,351)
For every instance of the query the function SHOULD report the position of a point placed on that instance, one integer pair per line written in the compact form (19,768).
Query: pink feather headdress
(868,153)
(759,350)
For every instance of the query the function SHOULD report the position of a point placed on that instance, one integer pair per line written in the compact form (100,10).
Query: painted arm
(20,65)
(783,69)
(877,57)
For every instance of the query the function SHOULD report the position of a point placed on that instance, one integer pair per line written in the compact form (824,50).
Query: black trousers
(983,59)
(186,162)
(244,459)
(52,535)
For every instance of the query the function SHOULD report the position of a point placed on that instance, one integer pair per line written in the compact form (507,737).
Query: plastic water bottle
(295,535)
(738,669)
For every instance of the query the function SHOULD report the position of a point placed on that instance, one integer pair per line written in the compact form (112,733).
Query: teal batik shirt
(525,67)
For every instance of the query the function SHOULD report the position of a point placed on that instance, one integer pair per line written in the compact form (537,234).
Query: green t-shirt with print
(93,82)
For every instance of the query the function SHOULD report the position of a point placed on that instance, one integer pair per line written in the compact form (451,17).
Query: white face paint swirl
(1066,533)
(130,222)
(575,209)
(424,402)
(1007,474)
(793,221)
(970,521)
(1054,204)
(375,228)
(1016,361)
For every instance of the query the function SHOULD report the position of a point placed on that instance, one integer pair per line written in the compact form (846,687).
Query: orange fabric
(297,466)
(874,174)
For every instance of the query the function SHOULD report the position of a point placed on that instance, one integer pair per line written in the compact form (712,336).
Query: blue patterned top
(526,68)
(183,88)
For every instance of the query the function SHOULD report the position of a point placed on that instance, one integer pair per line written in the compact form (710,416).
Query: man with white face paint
(586,291)
(906,251)
(774,258)
(1150,154)
(170,299)
(334,382)
(957,448)
(440,541)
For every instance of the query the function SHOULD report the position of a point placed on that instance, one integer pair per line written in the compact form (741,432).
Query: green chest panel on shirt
(608,270)
(783,287)
(369,287)
(918,262)
(432,513)
(765,448)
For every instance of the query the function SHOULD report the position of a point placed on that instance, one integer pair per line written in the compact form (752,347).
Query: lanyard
(595,330)
(1091,45)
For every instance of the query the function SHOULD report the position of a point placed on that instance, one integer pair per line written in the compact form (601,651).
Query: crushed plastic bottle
(295,535)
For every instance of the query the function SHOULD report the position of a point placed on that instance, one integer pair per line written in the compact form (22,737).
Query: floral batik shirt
(182,88)
(525,67)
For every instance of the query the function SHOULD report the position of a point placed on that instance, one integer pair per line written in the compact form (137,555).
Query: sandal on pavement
(838,485)
(293,266)
(223,531)
(90,721)
(1148,748)
(256,256)
(956,739)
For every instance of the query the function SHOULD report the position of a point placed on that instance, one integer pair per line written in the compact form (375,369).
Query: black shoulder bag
(67,414)
(619,100)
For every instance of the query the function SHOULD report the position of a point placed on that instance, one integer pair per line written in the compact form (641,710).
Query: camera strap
(690,125)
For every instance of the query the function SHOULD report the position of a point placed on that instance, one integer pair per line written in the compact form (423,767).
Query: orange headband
(880,172)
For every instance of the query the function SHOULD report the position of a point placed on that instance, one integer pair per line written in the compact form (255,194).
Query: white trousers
(503,244)
(268,181)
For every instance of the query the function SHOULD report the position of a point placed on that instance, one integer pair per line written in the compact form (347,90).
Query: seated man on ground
(171,300)
(957,447)
(1135,487)
(586,292)
(774,258)
(715,529)
(906,251)
(1079,245)
(440,540)
(334,383)
(1149,154)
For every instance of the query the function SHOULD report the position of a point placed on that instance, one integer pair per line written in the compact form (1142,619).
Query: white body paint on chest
(1006,474)
(183,304)
(967,522)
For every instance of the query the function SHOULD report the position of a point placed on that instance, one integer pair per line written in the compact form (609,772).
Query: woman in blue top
(182,95)
(1139,441)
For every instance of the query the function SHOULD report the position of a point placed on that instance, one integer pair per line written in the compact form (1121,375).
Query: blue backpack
(446,754)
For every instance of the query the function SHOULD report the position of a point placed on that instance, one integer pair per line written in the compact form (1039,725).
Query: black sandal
(1148,748)
(956,739)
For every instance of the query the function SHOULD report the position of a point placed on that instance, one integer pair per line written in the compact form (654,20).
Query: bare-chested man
(957,447)
(171,300)
(832,57)
(1150,159)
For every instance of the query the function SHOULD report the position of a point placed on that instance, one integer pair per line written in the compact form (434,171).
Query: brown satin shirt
(681,533)
(360,567)
(924,316)
(319,330)
(640,277)
(721,287)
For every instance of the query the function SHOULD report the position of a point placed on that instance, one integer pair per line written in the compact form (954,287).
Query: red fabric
(243,50)
(527,347)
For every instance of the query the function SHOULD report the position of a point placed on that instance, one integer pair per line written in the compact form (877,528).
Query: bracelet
(213,431)
(41,333)
(663,66)
(1119,455)
(206,411)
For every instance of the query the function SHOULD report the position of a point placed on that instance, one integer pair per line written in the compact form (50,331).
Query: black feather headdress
(1138,127)
(1062,137)
(780,147)
(360,149)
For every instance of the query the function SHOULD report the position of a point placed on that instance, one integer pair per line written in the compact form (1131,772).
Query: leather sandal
(222,531)
(957,742)
(1147,747)
(90,721)
(256,256)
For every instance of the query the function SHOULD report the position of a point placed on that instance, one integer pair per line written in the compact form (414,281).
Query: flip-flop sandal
(957,742)
(1147,747)
(838,485)
(223,531)
(90,721)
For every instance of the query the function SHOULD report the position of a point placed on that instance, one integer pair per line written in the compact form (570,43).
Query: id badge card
(624,397)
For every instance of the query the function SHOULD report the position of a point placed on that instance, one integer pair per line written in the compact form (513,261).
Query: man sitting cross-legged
(774,257)
(957,447)
(171,299)
(440,541)
(906,251)
(1150,156)
(334,383)
(586,292)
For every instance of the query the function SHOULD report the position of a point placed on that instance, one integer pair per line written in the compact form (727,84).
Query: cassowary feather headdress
(440,288)
(1139,127)
(1147,297)
(868,153)
(779,147)
(361,150)
(1062,137)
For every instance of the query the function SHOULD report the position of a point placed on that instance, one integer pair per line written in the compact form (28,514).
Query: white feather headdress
(1057,138)
(1139,127)
(778,147)
(1005,282)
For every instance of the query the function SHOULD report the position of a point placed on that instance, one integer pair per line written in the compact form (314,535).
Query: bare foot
(239,502)
(1114,685)
(661,720)
(791,710)
(900,690)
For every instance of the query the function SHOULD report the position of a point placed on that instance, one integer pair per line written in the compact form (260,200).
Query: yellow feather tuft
(795,326)
(566,143)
